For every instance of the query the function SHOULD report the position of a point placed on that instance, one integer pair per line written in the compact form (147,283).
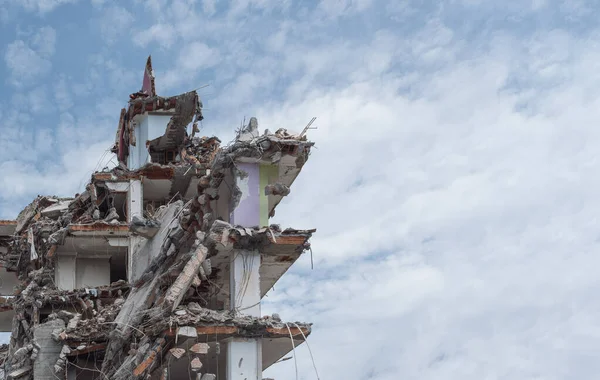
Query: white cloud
(198,55)
(164,34)
(62,95)
(24,63)
(98,3)
(44,41)
(337,8)
(195,57)
(28,60)
(209,6)
(42,6)
(114,23)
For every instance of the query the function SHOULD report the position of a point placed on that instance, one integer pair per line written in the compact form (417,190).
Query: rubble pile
(200,151)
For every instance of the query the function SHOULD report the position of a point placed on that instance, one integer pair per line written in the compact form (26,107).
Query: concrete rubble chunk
(196,365)
(196,282)
(66,350)
(177,352)
(111,215)
(72,325)
(200,348)
(56,209)
(187,332)
(144,227)
(59,236)
(207,267)
(277,189)
(19,372)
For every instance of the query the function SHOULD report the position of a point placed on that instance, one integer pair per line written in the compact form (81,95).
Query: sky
(454,183)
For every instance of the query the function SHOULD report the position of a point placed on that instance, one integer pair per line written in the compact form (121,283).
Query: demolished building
(157,269)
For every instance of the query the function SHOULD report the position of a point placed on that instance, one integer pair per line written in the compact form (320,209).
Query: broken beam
(183,282)
(150,358)
(98,227)
(289,239)
(150,172)
(88,349)
(223,332)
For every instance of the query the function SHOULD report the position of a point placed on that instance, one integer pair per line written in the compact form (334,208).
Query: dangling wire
(293,349)
(309,351)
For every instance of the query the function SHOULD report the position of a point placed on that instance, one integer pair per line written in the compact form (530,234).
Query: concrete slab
(6,318)
(8,280)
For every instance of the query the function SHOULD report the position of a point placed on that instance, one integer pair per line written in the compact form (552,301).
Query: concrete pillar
(245,280)
(135,151)
(244,356)
(135,206)
(135,200)
(244,359)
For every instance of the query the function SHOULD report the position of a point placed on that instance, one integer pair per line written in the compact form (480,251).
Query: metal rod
(308,126)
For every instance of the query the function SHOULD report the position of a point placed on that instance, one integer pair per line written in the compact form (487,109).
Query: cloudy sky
(455,184)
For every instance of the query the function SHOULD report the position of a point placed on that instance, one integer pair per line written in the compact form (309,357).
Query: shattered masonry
(156,270)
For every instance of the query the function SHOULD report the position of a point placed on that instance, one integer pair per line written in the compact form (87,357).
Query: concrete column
(135,206)
(133,160)
(244,359)
(135,200)
(244,356)
(245,280)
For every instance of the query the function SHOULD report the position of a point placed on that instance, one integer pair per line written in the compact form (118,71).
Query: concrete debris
(177,352)
(200,348)
(186,332)
(111,215)
(19,373)
(277,189)
(135,269)
(50,351)
(144,227)
(196,365)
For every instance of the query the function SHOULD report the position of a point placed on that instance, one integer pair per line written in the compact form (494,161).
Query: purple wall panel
(247,213)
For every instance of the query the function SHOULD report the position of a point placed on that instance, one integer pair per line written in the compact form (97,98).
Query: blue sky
(454,185)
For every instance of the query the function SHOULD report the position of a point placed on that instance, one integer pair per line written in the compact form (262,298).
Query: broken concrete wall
(49,351)
(76,273)
(65,272)
(149,127)
(148,249)
(92,272)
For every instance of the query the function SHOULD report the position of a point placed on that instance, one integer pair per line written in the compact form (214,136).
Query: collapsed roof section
(173,245)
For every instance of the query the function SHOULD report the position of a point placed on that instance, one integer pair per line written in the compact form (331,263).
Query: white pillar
(244,356)
(244,280)
(244,359)
(135,206)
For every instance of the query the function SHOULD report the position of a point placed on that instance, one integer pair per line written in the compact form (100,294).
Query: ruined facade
(157,269)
